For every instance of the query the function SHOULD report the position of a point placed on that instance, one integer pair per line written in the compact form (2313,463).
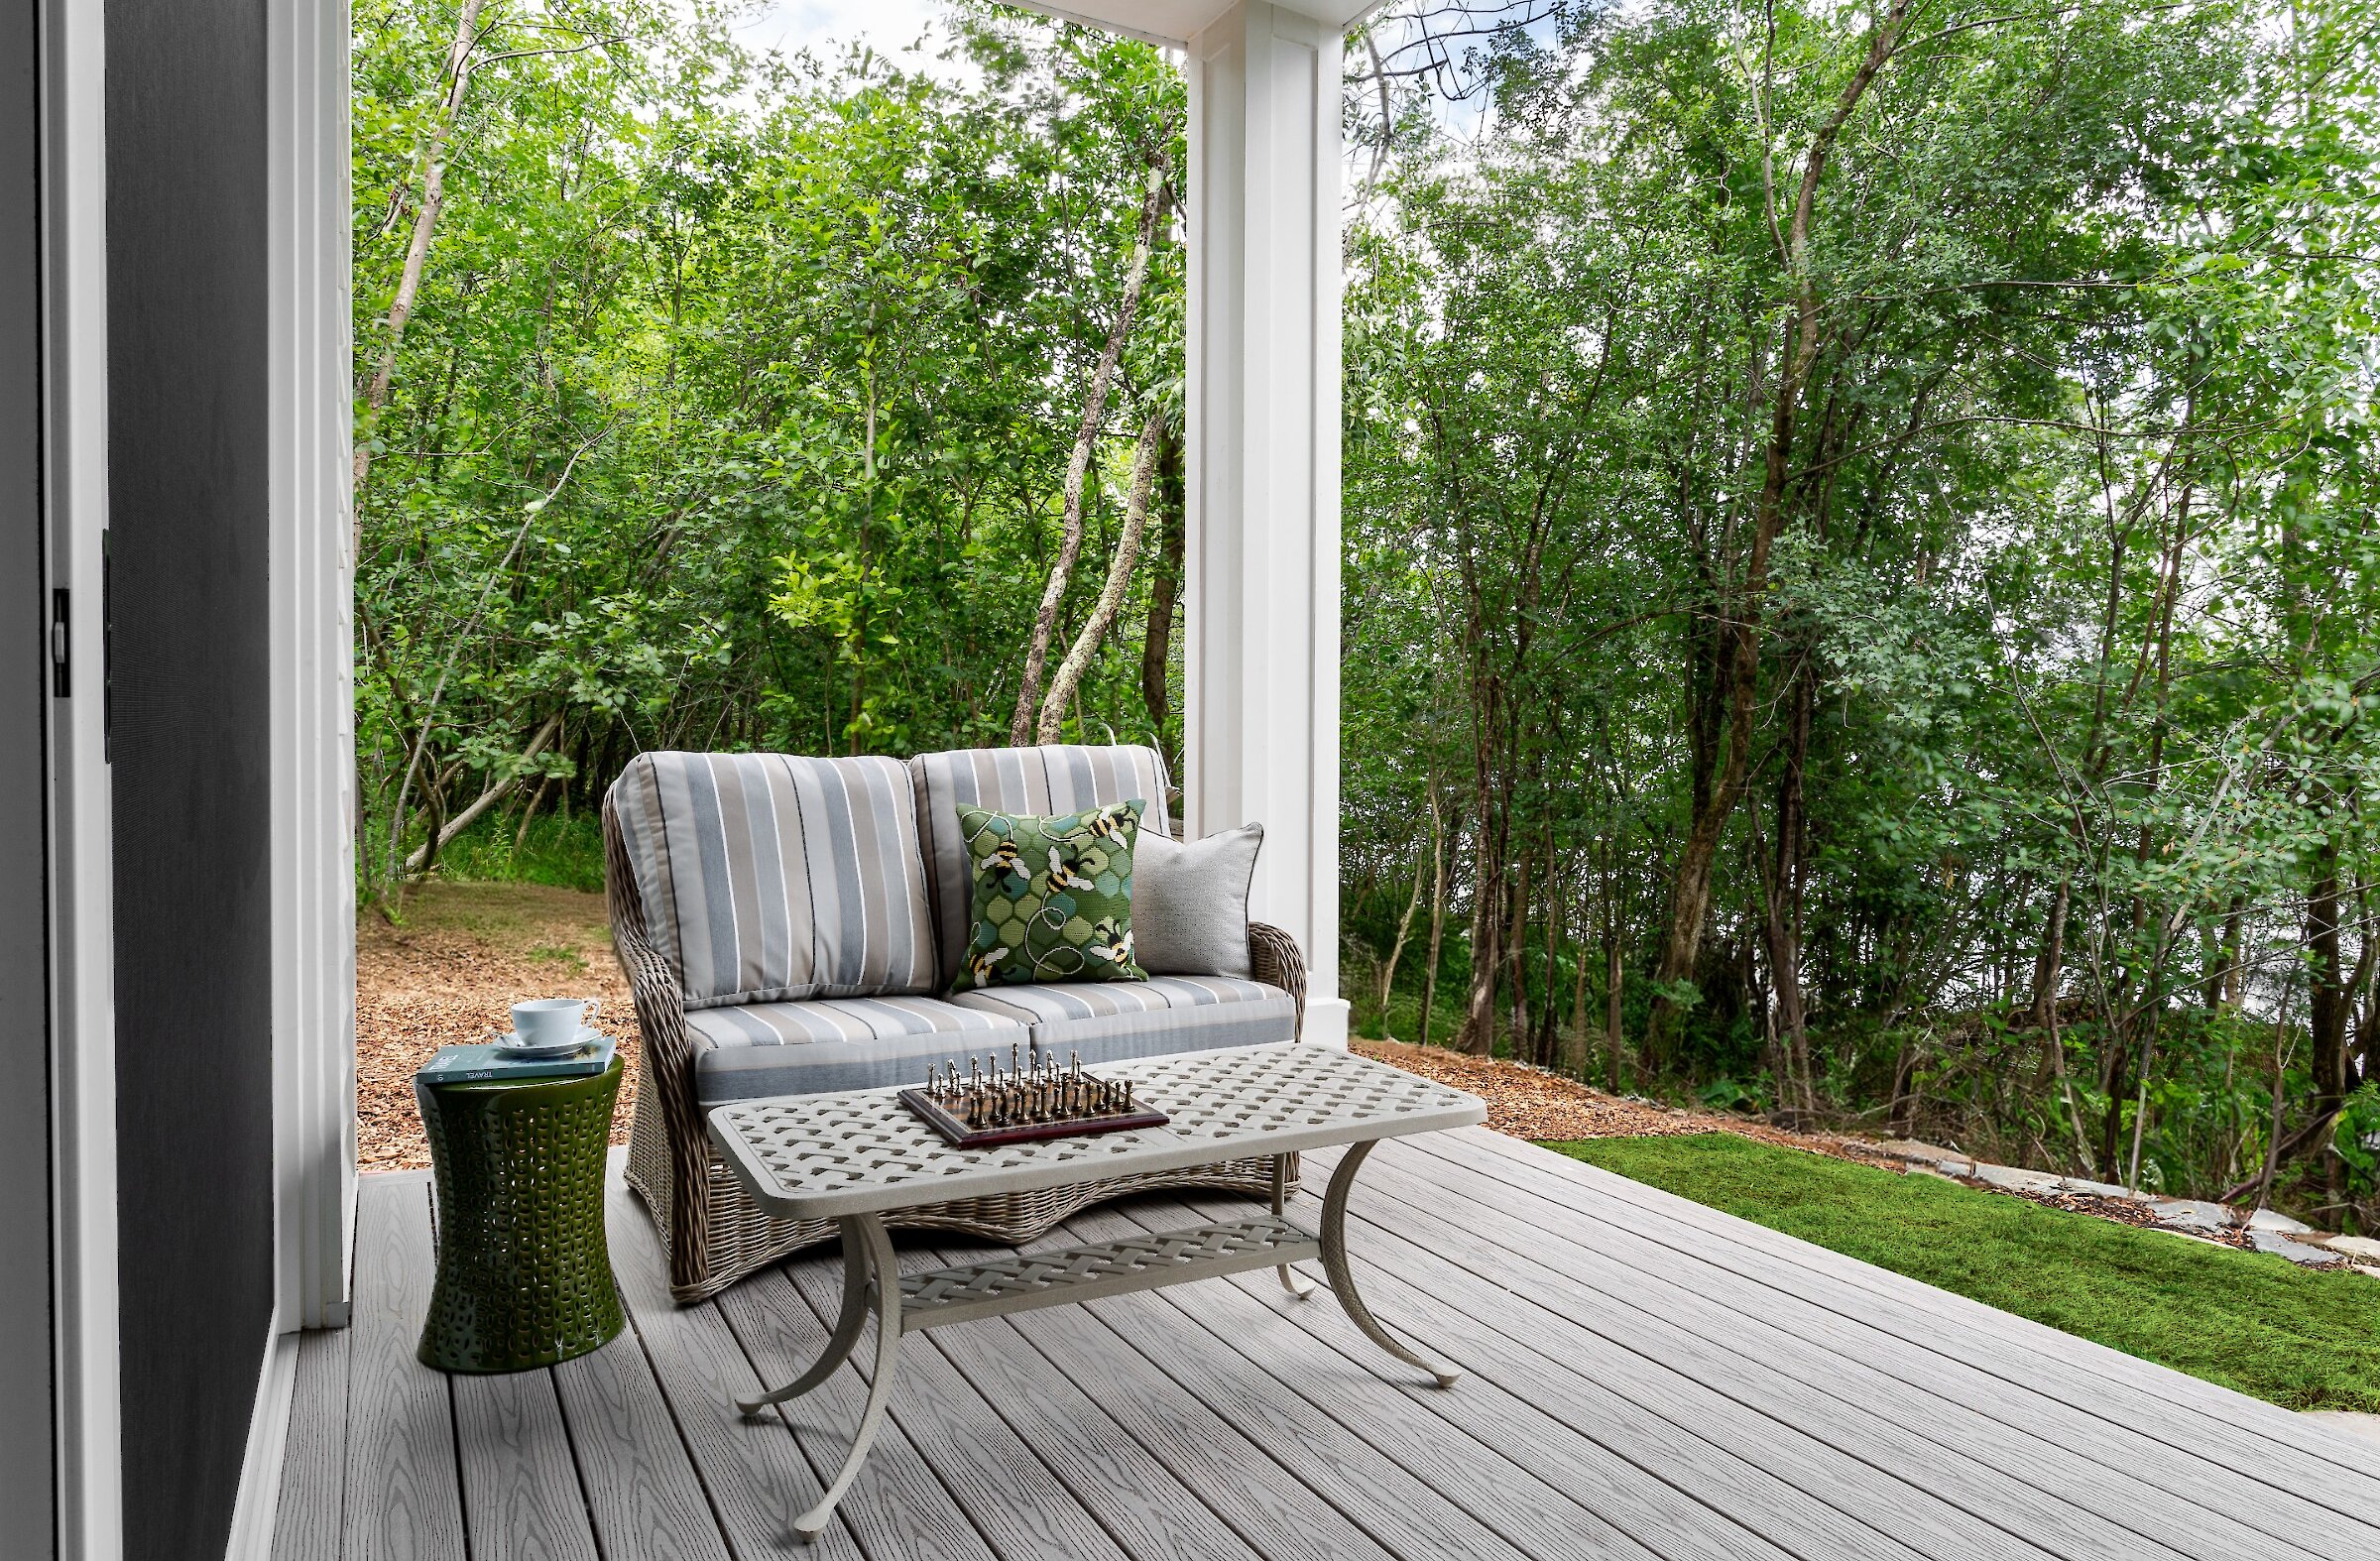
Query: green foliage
(2244,1320)
(736,402)
(2062,638)
(566,853)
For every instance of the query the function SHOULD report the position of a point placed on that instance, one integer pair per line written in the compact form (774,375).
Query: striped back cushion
(1054,779)
(766,877)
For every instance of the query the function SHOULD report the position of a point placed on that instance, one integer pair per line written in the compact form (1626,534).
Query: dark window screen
(187,470)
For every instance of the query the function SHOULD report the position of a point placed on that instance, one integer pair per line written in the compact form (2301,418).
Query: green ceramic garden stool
(525,1277)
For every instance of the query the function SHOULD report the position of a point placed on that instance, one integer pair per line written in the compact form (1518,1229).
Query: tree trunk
(2047,964)
(1556,914)
(1486,959)
(1580,1051)
(1783,922)
(1689,888)
(1165,587)
(417,254)
(1095,411)
(427,852)
(2328,1003)
(1489,886)
(1614,972)
(1404,923)
(2224,973)
(1516,951)
(1070,671)
(529,814)
(1429,984)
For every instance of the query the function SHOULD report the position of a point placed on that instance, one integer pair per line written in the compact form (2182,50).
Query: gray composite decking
(1645,1377)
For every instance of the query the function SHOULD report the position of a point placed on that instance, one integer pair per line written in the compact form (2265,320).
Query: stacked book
(482,1064)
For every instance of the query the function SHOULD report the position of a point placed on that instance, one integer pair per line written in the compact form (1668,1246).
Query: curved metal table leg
(1297,1287)
(868,1231)
(1342,1278)
(839,1344)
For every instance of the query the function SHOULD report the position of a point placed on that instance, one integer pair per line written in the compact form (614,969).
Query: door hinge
(62,682)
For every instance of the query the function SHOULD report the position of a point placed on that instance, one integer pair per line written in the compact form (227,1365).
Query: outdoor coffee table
(855,1158)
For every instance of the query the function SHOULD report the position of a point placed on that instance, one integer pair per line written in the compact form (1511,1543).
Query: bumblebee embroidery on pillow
(1052,898)
(1003,859)
(1105,826)
(1063,877)
(1112,945)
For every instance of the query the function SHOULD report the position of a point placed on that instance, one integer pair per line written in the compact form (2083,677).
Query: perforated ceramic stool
(525,1275)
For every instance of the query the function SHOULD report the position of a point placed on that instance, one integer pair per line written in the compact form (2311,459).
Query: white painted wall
(1261,716)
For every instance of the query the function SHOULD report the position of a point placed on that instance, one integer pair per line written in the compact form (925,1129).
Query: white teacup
(552,1021)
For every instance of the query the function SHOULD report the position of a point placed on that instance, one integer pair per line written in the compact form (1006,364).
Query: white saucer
(512,1045)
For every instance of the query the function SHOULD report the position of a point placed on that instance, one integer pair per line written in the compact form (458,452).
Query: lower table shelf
(1004,1285)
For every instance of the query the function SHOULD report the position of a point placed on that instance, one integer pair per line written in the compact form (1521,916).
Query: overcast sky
(824,25)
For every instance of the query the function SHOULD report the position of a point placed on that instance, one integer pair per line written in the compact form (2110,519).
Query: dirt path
(466,953)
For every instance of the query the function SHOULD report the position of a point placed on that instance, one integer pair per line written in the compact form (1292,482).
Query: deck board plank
(1570,1396)
(647,1502)
(1276,1514)
(1646,1311)
(754,1475)
(309,1519)
(404,1499)
(1011,1494)
(1421,1494)
(1132,1494)
(520,1490)
(1669,1489)
(1427,1428)
(2268,1443)
(897,1507)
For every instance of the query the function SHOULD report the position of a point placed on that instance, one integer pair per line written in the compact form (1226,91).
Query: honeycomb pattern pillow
(1052,896)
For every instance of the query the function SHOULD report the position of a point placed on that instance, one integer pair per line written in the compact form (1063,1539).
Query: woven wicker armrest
(671,1165)
(1278,962)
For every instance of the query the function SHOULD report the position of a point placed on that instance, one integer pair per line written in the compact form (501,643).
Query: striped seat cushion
(1053,778)
(759,1050)
(1115,1021)
(766,877)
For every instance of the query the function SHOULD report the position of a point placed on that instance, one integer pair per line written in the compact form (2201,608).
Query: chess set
(1024,1101)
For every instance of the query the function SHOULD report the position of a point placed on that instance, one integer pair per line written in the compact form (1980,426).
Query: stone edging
(2265,1229)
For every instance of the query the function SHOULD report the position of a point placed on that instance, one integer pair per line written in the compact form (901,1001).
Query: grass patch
(561,927)
(561,852)
(2246,1320)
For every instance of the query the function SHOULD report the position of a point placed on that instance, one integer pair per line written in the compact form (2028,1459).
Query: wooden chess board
(1023,1103)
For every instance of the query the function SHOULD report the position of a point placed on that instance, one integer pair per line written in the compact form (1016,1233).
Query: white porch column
(313,579)
(1261,716)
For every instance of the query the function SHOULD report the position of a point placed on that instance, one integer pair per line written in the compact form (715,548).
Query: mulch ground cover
(448,976)
(1528,1102)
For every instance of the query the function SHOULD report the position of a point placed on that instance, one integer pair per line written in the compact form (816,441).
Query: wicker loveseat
(792,925)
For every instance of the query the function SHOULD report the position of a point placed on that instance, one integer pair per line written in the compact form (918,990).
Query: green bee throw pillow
(1053,896)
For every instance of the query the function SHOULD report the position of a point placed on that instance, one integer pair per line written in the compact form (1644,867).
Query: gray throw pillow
(1190,903)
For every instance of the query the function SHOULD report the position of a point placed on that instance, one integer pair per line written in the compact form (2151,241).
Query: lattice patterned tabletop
(861,1152)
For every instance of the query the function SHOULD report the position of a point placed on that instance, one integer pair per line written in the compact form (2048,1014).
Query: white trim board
(311,591)
(259,1500)
(90,1467)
